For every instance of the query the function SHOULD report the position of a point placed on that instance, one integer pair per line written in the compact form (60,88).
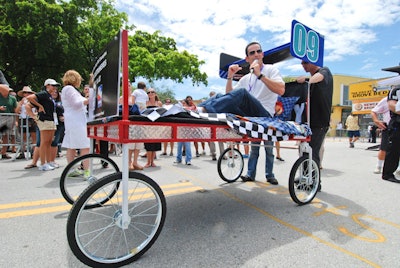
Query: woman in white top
(139,97)
(75,118)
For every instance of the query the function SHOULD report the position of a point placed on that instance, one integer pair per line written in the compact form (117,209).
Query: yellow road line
(51,209)
(290,226)
(32,203)
(299,230)
(36,211)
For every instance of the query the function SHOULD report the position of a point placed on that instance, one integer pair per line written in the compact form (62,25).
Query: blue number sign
(306,44)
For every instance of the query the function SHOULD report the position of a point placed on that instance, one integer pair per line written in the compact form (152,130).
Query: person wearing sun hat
(25,122)
(25,89)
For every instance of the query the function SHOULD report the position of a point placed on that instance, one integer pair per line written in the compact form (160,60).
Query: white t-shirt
(259,90)
(382,108)
(140,98)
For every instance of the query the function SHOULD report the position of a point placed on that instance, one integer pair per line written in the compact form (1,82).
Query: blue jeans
(238,101)
(188,152)
(253,159)
(57,135)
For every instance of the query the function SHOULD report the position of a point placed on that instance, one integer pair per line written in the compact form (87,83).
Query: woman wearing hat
(25,122)
(46,120)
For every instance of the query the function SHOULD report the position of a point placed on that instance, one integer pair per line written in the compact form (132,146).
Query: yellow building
(341,104)
(366,95)
(358,95)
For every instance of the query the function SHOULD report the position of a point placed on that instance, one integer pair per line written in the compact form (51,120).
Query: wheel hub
(118,220)
(231,164)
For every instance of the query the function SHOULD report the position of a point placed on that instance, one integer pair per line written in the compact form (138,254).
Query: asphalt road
(353,222)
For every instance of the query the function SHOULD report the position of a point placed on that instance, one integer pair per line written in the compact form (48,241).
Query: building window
(344,96)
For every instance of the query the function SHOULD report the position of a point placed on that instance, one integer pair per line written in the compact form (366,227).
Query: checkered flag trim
(154,113)
(271,129)
(257,131)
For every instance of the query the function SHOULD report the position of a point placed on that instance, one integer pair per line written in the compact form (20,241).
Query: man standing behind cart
(265,83)
(321,90)
(393,149)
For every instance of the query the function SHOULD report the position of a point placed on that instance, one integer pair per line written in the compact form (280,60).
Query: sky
(361,37)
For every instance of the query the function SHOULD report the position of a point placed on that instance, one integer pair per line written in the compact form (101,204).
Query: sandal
(30,166)
(136,167)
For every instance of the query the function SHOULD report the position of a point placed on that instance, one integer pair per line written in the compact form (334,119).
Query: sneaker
(188,163)
(397,173)
(391,179)
(20,156)
(86,174)
(177,161)
(75,173)
(45,167)
(247,178)
(104,164)
(54,164)
(5,156)
(197,154)
(378,170)
(351,145)
(272,181)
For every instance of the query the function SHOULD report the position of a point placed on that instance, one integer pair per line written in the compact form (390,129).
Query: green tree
(153,57)
(165,93)
(44,38)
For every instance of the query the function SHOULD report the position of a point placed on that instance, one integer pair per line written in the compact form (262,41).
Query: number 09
(305,43)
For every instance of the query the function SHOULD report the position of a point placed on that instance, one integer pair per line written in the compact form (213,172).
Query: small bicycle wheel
(302,188)
(230,165)
(74,181)
(99,237)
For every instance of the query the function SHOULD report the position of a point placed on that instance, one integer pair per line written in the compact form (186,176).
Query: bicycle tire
(96,236)
(301,189)
(230,165)
(71,187)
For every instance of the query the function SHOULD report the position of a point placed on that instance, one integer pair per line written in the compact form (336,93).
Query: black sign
(106,71)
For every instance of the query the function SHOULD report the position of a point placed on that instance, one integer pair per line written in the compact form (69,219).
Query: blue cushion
(288,104)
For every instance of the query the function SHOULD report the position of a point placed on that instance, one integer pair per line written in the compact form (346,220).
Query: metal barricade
(18,137)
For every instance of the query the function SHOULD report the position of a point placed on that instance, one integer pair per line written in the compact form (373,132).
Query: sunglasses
(151,92)
(259,51)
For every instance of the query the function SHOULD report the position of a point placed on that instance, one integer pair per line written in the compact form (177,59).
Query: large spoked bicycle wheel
(74,181)
(302,187)
(97,236)
(230,165)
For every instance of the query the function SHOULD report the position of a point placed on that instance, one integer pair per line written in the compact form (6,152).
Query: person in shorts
(46,120)
(8,105)
(353,129)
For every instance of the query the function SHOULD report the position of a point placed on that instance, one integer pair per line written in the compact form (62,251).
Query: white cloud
(208,27)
